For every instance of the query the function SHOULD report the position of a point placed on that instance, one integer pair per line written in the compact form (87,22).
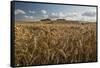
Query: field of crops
(37,44)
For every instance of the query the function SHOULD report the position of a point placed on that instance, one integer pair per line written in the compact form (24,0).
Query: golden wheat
(37,44)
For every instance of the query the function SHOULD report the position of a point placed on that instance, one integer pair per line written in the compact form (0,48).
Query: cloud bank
(19,11)
(44,11)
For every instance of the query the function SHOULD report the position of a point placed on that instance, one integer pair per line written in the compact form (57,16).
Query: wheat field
(40,44)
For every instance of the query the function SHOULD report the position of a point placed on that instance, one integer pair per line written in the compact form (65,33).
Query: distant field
(43,43)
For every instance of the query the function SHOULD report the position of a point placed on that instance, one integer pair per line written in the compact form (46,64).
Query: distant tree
(45,19)
(61,20)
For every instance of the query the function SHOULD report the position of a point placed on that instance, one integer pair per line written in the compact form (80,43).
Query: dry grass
(37,44)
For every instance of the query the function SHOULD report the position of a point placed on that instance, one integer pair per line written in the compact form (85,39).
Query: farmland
(47,43)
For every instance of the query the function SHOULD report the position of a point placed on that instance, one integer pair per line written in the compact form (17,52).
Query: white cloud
(19,11)
(61,15)
(44,11)
(32,12)
(54,14)
(28,17)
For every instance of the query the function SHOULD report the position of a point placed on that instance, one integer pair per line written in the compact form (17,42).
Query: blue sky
(36,11)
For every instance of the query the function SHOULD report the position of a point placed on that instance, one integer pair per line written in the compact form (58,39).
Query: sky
(37,11)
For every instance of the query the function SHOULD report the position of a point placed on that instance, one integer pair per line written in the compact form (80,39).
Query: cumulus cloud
(28,17)
(44,11)
(32,12)
(53,15)
(57,15)
(61,15)
(89,14)
(19,11)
